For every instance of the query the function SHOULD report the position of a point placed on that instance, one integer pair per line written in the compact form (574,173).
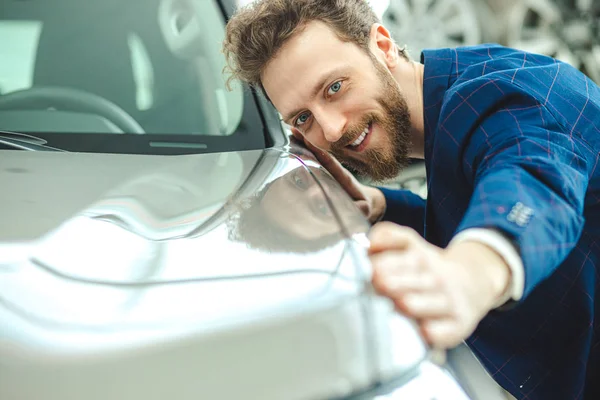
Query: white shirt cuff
(507,250)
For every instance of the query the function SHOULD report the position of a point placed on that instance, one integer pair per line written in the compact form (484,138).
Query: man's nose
(332,124)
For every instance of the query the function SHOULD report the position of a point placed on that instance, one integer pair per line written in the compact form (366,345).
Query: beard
(387,161)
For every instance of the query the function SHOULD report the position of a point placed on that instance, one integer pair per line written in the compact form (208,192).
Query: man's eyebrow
(316,89)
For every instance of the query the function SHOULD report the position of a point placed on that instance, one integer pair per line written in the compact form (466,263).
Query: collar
(436,81)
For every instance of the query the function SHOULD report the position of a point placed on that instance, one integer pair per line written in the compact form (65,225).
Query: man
(504,253)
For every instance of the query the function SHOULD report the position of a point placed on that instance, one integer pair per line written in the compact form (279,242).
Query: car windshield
(135,76)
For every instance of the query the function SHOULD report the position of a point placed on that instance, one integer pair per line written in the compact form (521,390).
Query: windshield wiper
(23,141)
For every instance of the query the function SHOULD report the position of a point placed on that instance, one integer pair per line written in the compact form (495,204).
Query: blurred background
(565,29)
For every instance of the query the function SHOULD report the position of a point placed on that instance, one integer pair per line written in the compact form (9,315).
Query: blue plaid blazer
(512,142)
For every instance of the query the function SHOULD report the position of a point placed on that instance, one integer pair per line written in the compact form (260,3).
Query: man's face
(342,100)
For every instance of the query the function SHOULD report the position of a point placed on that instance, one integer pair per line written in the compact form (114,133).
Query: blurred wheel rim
(424,24)
(568,33)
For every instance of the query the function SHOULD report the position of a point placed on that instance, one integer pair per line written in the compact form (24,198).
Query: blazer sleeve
(405,208)
(529,180)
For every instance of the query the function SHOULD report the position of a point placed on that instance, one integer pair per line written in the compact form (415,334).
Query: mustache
(352,132)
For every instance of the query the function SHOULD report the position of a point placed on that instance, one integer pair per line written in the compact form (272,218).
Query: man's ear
(382,45)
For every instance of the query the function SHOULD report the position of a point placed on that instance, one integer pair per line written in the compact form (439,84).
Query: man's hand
(368,199)
(447,291)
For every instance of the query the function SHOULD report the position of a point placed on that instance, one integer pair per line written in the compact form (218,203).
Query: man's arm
(529,173)
(404,208)
(531,188)
(506,249)
(529,180)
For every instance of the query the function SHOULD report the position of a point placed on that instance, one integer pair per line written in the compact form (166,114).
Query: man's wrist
(490,273)
(506,248)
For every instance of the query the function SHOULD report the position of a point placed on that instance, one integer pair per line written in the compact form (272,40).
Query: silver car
(162,237)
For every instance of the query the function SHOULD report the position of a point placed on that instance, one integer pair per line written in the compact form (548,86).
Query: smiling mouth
(361,141)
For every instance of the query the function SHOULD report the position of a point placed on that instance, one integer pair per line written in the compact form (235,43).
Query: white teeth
(360,139)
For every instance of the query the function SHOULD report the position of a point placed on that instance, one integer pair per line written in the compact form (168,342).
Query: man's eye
(333,89)
(302,118)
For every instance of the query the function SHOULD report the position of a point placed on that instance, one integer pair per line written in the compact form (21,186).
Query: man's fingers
(442,333)
(424,305)
(394,262)
(364,207)
(402,283)
(395,272)
(337,170)
(390,236)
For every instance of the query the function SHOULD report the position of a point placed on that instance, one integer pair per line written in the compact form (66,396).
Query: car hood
(82,227)
(126,266)
(48,189)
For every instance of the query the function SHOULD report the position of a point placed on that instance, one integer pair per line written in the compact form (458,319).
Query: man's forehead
(303,49)
(304,64)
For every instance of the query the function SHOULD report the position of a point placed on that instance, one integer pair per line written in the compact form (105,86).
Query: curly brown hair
(256,32)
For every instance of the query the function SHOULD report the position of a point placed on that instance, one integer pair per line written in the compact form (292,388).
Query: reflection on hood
(303,210)
(253,225)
